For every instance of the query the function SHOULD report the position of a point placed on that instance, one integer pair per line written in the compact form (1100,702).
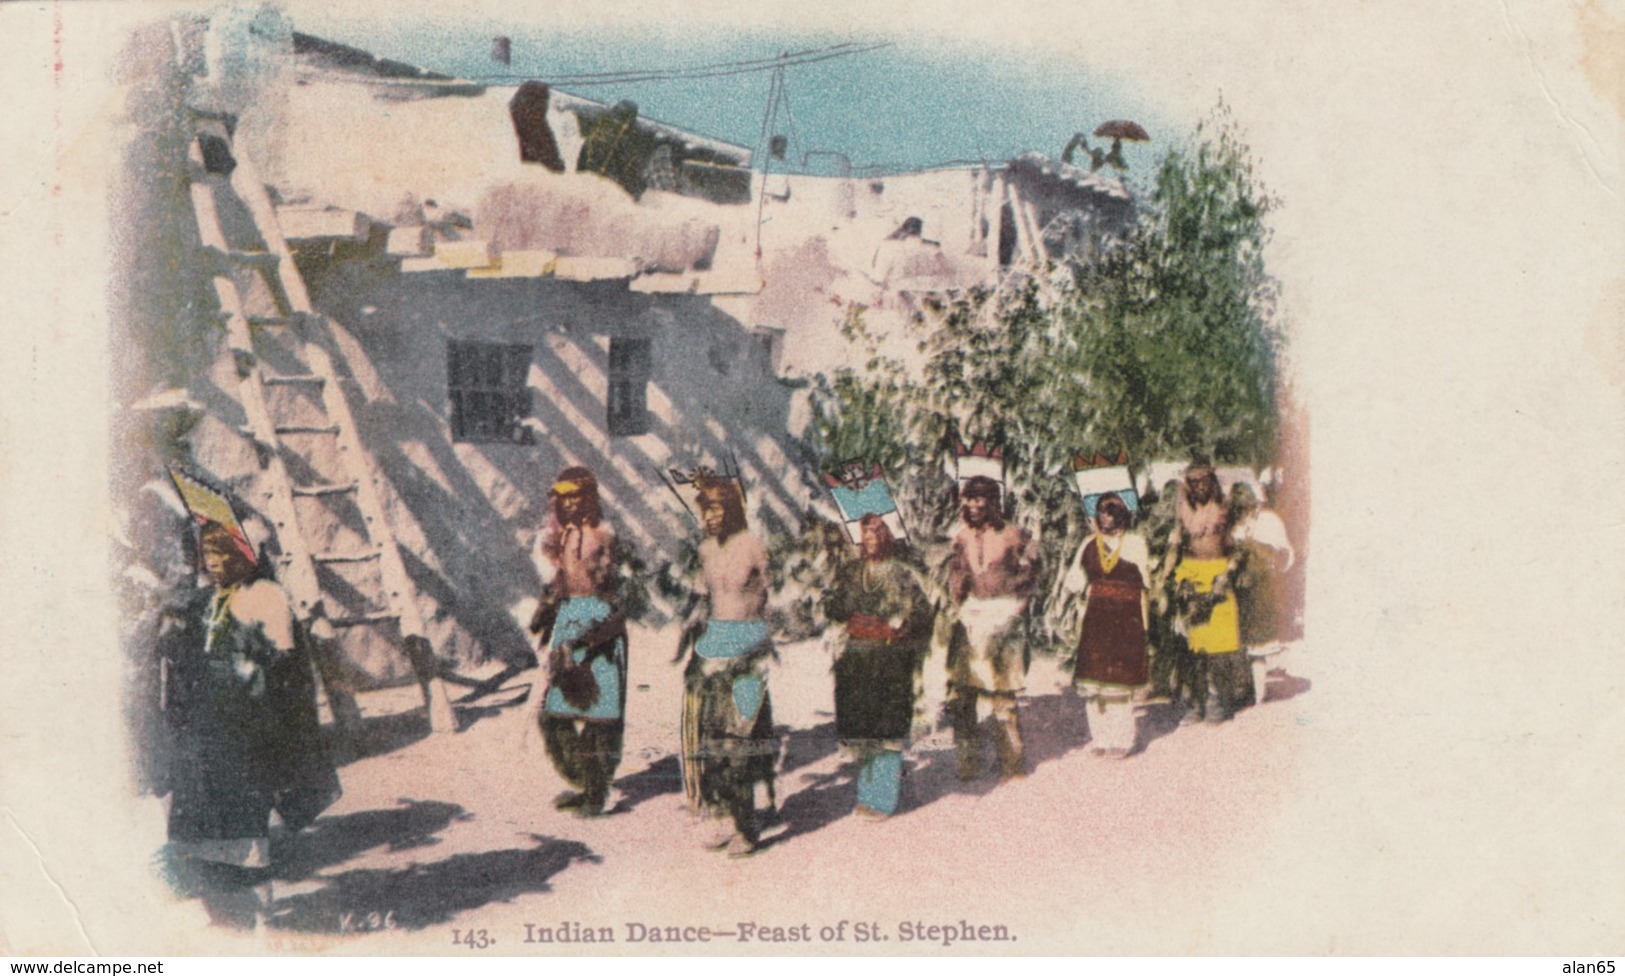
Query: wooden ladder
(302,398)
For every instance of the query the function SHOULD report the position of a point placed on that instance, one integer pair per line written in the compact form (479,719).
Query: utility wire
(721,70)
(763,63)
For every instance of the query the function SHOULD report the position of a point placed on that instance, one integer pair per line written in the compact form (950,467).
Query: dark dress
(245,735)
(874,676)
(1112,648)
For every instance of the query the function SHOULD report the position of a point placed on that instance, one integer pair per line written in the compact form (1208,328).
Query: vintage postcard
(722,479)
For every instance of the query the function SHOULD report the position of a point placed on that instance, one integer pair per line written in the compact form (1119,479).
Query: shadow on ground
(421,895)
(469,715)
(379,735)
(1164,718)
(800,748)
(336,839)
(1052,725)
(1281,686)
(382,734)
(664,775)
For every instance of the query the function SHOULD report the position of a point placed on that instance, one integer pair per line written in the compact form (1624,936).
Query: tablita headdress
(1101,476)
(980,461)
(210,506)
(688,484)
(859,488)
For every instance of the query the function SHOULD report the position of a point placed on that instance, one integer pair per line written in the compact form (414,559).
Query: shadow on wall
(482,571)
(698,398)
(467,513)
(460,546)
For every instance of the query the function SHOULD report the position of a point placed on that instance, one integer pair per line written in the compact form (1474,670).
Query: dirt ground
(449,842)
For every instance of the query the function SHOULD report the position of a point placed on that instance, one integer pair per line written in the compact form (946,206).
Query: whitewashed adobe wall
(467,513)
(820,246)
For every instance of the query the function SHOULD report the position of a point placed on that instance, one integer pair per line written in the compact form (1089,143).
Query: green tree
(1177,340)
(1165,346)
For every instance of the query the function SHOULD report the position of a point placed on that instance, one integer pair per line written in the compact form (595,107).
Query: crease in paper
(1562,114)
(45,869)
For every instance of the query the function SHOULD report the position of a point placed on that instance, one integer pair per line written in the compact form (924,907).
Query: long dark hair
(725,494)
(981,486)
(578,479)
(888,542)
(213,536)
(1112,504)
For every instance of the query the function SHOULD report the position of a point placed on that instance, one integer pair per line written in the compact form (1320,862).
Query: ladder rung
(294,380)
(365,557)
(363,619)
(270,320)
(211,115)
(245,257)
(307,430)
(308,491)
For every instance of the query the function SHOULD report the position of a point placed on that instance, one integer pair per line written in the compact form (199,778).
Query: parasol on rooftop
(1117,130)
(1122,129)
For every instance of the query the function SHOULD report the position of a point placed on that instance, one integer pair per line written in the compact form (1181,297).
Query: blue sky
(906,106)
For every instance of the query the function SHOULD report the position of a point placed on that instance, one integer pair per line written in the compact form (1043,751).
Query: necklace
(217,615)
(1108,557)
(979,558)
(873,577)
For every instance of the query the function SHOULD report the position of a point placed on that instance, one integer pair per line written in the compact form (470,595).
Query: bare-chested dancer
(1206,614)
(583,714)
(991,573)
(729,748)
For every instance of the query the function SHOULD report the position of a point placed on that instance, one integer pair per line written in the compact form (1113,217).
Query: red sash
(864,627)
(1114,590)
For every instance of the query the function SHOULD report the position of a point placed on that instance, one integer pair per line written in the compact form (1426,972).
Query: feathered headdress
(209,505)
(687,485)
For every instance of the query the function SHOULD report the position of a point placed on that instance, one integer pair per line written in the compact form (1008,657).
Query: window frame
(630,369)
(488,392)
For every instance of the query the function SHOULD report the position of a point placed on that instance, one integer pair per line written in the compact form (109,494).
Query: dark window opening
(1007,235)
(489,398)
(217,156)
(767,342)
(630,363)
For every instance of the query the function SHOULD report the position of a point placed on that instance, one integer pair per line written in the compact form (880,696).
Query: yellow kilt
(1221,632)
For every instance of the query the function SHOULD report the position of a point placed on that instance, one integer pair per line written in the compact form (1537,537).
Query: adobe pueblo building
(384,307)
